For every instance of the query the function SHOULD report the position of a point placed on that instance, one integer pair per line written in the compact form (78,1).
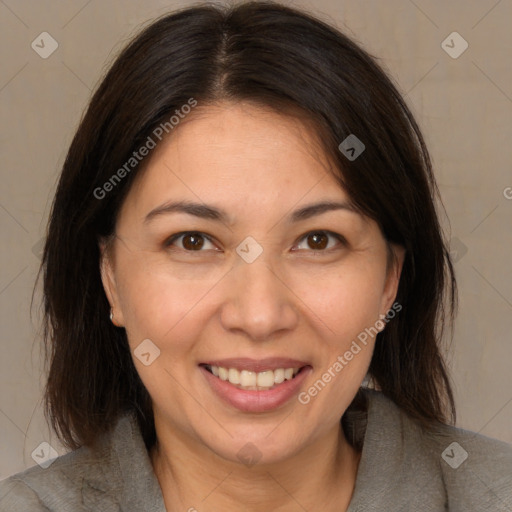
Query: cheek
(347,304)
(346,301)
(158,301)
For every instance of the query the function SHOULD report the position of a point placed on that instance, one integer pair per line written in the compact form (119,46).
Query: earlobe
(109,283)
(393,277)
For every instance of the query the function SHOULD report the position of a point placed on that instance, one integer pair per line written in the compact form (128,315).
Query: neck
(320,477)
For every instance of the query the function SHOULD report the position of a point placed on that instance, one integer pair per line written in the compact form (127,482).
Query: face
(253,279)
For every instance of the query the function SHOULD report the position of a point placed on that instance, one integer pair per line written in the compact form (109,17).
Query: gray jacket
(402,468)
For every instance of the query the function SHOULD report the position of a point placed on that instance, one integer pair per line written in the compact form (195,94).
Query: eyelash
(168,243)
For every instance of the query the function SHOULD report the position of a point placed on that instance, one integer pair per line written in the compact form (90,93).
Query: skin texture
(294,300)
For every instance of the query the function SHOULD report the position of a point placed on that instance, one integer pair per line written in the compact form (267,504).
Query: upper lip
(257,365)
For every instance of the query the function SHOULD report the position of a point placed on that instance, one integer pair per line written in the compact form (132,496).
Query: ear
(109,281)
(394,271)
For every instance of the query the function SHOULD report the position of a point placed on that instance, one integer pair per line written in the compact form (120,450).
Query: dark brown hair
(274,56)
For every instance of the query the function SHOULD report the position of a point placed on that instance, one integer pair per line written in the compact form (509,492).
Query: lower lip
(256,401)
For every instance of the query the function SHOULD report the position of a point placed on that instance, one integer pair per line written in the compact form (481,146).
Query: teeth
(265,379)
(255,381)
(278,375)
(234,376)
(247,378)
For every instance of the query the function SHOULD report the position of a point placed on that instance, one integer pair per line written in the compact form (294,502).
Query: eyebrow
(205,211)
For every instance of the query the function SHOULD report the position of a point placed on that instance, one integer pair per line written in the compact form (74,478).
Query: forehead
(231,125)
(231,151)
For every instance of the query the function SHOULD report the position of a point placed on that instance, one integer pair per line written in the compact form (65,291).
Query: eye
(195,241)
(191,241)
(319,240)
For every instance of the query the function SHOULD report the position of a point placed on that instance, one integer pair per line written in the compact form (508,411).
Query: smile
(255,386)
(253,381)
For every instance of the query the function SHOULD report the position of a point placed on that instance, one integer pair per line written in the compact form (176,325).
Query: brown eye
(317,241)
(191,241)
(320,241)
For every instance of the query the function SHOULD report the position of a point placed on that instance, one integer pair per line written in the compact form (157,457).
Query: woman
(245,286)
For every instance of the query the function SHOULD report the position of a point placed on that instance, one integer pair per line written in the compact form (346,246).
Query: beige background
(464,106)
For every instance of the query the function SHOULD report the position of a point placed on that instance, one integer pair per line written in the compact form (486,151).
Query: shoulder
(473,471)
(54,487)
(103,478)
(16,495)
(476,470)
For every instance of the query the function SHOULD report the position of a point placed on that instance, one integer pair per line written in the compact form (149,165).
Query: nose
(258,302)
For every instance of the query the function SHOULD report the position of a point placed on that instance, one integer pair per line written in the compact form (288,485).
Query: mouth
(256,386)
(248,380)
